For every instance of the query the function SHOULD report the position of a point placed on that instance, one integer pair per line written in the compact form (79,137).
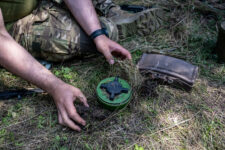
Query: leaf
(66,70)
(136,147)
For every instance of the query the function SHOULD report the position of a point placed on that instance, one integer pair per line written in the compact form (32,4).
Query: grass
(171,119)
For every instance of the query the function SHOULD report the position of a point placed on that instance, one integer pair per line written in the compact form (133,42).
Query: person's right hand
(64,96)
(110,48)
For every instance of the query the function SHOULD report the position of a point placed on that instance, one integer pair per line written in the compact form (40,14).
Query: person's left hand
(110,48)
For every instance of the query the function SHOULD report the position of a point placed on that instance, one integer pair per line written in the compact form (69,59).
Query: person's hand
(1,19)
(64,96)
(110,48)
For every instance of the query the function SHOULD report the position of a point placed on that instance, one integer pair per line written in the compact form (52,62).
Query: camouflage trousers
(50,32)
(102,6)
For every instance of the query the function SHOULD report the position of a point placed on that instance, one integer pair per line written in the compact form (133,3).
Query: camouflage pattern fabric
(51,33)
(102,6)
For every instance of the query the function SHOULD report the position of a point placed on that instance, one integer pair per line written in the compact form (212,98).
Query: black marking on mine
(114,88)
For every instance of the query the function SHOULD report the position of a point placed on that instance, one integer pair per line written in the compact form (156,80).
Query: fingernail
(83,123)
(111,62)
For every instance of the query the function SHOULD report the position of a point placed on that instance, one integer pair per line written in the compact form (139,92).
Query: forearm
(18,61)
(84,12)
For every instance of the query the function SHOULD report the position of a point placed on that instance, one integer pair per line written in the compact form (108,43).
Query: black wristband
(98,33)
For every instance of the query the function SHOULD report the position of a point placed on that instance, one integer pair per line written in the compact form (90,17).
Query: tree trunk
(220,47)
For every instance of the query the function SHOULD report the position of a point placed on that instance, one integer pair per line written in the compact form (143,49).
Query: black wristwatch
(99,32)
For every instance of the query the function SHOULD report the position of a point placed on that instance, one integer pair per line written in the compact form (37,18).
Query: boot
(141,23)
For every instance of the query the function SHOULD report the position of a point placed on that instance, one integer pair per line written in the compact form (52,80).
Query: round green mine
(119,101)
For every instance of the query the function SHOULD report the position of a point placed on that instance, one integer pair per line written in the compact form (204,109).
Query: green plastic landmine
(120,100)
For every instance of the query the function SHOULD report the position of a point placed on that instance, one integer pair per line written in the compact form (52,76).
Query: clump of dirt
(94,112)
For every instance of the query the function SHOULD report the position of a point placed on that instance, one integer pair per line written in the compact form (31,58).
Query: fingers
(67,113)
(117,49)
(72,113)
(1,19)
(123,51)
(60,118)
(109,57)
(65,120)
(83,99)
(68,122)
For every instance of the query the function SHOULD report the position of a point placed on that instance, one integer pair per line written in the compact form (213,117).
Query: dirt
(93,113)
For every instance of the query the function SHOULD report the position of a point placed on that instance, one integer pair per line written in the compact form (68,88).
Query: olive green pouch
(169,70)
(14,10)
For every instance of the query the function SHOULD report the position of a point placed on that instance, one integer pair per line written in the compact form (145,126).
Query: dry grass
(170,119)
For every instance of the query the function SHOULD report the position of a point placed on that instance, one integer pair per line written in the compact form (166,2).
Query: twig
(179,22)
(182,122)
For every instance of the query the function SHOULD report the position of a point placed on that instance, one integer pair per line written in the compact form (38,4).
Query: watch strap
(99,32)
